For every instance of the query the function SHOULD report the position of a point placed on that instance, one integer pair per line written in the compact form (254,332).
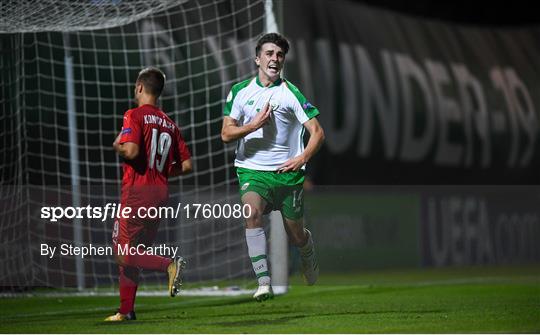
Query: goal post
(278,248)
(74,160)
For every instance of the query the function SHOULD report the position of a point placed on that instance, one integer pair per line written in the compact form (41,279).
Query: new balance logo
(250,102)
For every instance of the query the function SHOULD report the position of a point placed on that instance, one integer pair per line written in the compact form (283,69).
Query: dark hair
(152,79)
(275,38)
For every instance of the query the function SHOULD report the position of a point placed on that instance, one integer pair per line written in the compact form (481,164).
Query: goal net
(68,72)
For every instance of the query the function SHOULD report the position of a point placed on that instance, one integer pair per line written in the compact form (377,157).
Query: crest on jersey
(274,104)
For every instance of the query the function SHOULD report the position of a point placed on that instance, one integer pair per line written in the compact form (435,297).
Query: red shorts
(134,232)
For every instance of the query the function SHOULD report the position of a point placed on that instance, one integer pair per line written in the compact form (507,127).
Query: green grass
(453,300)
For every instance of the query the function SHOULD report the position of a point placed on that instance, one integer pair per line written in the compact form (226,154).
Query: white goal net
(68,72)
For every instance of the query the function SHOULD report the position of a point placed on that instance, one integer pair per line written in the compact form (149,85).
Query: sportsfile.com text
(117,211)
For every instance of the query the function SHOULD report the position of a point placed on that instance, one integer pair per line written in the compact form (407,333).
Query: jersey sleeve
(182,152)
(232,106)
(131,129)
(303,110)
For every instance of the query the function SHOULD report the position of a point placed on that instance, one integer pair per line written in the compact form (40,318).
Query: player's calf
(310,266)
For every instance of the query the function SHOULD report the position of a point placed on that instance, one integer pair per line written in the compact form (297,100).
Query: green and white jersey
(282,138)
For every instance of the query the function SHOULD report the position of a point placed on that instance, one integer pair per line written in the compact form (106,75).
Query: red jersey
(160,145)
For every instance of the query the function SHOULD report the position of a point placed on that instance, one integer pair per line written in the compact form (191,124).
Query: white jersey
(282,138)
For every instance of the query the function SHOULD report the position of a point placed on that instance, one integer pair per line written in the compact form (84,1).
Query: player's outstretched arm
(316,139)
(230,131)
(127,150)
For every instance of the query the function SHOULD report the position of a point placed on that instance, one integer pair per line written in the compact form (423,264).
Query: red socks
(129,279)
(129,276)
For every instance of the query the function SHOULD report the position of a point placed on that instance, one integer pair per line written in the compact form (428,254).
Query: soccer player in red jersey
(153,150)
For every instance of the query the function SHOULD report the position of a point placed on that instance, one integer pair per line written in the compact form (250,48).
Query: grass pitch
(464,300)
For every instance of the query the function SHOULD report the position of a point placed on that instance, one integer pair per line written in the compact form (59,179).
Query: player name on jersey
(154,119)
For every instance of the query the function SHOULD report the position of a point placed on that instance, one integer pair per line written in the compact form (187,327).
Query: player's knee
(120,260)
(298,237)
(254,219)
(295,239)
(254,212)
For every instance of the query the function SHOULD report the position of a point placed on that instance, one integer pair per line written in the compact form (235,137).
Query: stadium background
(427,126)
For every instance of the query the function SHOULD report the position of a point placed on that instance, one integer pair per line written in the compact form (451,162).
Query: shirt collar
(275,83)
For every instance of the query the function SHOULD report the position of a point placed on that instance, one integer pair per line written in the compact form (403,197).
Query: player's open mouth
(273,67)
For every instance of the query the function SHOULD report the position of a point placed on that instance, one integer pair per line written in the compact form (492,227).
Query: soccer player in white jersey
(267,115)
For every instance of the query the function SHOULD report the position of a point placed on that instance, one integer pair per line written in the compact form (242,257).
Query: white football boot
(264,292)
